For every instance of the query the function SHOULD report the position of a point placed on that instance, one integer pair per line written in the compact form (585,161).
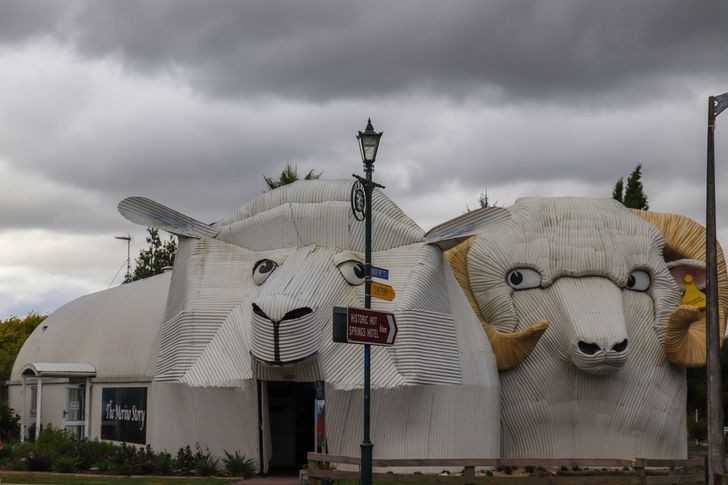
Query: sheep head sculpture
(579,301)
(298,252)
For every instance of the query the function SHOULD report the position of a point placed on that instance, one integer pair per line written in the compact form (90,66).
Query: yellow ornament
(692,296)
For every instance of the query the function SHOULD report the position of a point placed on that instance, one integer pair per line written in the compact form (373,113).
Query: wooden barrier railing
(513,471)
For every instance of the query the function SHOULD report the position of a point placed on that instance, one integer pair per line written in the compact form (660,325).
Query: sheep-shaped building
(250,307)
(584,315)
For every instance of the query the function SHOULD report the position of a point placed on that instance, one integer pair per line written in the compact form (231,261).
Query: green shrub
(185,461)
(205,464)
(9,424)
(37,461)
(163,463)
(237,465)
(56,442)
(94,454)
(65,464)
(126,460)
(60,451)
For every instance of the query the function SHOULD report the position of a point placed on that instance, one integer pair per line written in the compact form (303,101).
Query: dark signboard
(124,414)
(361,326)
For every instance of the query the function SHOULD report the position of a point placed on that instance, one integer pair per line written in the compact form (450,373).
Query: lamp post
(716,469)
(368,145)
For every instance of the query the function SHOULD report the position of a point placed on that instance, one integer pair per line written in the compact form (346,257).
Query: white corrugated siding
(584,249)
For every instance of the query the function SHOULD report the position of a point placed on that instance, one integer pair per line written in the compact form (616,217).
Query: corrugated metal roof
(116,330)
(59,369)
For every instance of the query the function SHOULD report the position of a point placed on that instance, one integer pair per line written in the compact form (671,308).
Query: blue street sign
(381,273)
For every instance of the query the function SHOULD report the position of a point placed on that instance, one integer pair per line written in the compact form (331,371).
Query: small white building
(90,366)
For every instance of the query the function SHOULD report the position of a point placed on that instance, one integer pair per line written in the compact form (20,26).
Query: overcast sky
(191,103)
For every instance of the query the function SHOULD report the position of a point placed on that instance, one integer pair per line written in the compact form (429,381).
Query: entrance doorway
(74,414)
(292,423)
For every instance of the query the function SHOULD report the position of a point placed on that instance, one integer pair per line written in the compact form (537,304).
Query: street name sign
(381,273)
(382,291)
(361,326)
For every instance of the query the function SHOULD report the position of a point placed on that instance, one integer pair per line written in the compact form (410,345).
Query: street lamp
(368,145)
(716,469)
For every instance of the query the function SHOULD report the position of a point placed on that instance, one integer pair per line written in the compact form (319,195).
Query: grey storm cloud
(320,50)
(191,103)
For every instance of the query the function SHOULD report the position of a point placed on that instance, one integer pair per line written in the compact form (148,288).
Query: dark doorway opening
(292,426)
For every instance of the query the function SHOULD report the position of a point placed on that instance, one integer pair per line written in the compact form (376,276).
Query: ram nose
(591,348)
(595,327)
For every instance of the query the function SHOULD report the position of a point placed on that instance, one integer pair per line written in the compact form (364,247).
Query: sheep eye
(353,272)
(262,270)
(639,280)
(523,278)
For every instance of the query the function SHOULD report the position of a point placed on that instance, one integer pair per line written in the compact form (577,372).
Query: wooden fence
(516,471)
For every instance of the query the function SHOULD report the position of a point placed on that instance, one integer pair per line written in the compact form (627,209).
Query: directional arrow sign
(382,291)
(380,273)
(367,326)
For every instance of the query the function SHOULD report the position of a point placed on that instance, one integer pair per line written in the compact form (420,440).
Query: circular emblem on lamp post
(358,201)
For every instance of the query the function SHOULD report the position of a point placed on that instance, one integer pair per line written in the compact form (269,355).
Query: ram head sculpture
(583,303)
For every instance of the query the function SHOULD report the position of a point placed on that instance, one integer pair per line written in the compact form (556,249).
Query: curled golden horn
(510,349)
(685,335)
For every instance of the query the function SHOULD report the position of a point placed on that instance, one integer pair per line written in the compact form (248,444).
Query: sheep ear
(147,212)
(453,232)
(684,267)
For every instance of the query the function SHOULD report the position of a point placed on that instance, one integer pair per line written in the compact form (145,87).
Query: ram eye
(523,278)
(639,280)
(262,270)
(353,272)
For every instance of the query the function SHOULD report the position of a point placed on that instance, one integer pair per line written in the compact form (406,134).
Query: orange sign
(382,291)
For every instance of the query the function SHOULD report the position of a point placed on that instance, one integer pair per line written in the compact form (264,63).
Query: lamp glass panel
(369,152)
(369,145)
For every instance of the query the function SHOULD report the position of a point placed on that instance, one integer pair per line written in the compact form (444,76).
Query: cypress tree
(634,194)
(618,192)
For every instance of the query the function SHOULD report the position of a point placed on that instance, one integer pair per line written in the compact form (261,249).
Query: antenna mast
(127,238)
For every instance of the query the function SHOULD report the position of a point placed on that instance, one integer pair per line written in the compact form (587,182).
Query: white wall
(178,415)
(218,418)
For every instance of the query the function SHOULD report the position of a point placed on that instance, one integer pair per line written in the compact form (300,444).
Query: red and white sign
(370,327)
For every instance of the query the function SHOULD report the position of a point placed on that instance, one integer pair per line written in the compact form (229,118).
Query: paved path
(286,480)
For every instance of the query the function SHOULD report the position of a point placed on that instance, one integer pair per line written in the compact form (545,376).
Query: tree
(288,176)
(158,255)
(633,196)
(13,333)
(618,192)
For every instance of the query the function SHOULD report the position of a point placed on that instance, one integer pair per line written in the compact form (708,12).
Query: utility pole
(716,468)
(127,238)
(368,144)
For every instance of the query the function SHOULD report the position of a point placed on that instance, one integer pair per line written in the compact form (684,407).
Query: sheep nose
(590,348)
(290,315)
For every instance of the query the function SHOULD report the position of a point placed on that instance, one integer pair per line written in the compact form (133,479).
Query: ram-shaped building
(581,300)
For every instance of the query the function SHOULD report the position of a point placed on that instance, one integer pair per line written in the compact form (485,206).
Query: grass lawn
(68,479)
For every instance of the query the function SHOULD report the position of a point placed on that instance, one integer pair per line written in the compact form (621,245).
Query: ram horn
(684,342)
(510,348)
